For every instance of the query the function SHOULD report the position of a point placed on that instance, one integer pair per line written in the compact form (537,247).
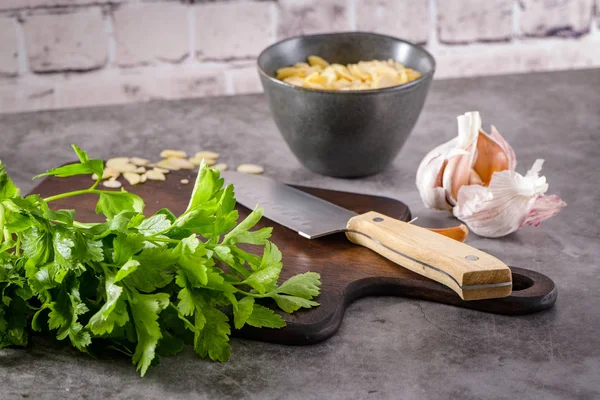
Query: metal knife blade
(308,215)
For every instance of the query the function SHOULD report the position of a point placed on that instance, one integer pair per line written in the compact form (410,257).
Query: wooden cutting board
(348,271)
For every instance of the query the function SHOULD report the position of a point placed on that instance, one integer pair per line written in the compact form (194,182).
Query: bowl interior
(345,48)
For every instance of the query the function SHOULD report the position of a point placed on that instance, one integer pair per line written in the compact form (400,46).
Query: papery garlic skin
(473,176)
(508,203)
(453,164)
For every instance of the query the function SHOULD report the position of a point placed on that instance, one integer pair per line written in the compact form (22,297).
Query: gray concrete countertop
(387,347)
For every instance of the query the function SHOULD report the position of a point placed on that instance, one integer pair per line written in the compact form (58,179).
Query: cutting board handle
(470,272)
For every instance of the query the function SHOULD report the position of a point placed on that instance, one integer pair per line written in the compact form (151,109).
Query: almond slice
(198,160)
(162,170)
(142,162)
(108,173)
(180,163)
(112,183)
(112,162)
(165,164)
(173,154)
(207,154)
(154,175)
(250,169)
(132,178)
(221,166)
(140,170)
(184,181)
(143,178)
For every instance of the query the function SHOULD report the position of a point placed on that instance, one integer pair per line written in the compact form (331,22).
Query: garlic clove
(458,170)
(458,233)
(507,148)
(491,158)
(474,178)
(508,203)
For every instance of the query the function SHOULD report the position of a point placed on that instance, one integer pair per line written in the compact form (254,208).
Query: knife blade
(471,273)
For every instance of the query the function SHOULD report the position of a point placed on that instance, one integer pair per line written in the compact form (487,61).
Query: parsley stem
(95,185)
(255,295)
(77,193)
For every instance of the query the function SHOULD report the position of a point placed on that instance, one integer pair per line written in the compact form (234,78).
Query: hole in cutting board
(521,282)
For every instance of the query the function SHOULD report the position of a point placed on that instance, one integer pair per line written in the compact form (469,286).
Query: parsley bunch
(141,285)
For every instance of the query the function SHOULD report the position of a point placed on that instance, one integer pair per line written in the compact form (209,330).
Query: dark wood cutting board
(347,271)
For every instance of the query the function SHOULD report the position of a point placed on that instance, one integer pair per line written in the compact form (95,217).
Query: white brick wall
(407,19)
(75,53)
(75,41)
(8,50)
(542,17)
(150,33)
(463,21)
(312,16)
(232,30)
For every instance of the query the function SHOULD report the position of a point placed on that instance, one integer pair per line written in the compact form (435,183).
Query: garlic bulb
(473,176)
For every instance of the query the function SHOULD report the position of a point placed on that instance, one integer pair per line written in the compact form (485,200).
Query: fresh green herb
(142,285)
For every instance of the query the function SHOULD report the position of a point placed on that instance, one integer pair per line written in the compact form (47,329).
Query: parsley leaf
(145,309)
(113,312)
(111,203)
(263,317)
(85,166)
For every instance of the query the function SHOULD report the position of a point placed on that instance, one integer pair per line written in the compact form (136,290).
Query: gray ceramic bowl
(345,133)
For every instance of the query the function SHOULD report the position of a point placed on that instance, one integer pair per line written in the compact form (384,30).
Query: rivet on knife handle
(470,272)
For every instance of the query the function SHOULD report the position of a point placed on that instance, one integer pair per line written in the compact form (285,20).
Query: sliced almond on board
(140,170)
(221,166)
(180,163)
(173,153)
(198,160)
(121,164)
(250,169)
(143,178)
(207,154)
(155,175)
(162,170)
(108,173)
(184,181)
(132,178)
(112,162)
(112,183)
(165,164)
(142,162)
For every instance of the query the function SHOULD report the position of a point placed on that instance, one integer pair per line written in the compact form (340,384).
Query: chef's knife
(471,273)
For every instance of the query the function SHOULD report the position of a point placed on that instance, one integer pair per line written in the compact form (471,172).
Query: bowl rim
(404,86)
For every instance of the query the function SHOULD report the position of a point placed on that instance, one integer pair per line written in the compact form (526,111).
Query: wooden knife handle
(471,273)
